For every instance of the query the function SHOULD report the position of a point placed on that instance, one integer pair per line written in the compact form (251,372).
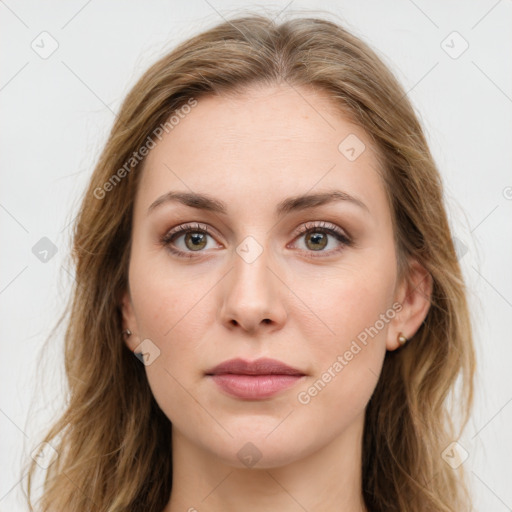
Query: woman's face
(311,283)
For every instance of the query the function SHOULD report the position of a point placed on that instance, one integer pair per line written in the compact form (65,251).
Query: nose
(253,296)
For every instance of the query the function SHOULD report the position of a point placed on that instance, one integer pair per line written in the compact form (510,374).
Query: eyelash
(322,227)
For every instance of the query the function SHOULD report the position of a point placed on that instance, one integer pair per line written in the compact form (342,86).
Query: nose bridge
(251,292)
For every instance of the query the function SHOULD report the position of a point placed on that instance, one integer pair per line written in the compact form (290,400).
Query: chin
(257,450)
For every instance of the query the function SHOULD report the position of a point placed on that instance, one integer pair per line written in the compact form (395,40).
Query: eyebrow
(288,205)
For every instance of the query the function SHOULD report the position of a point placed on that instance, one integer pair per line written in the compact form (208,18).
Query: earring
(127,332)
(402,340)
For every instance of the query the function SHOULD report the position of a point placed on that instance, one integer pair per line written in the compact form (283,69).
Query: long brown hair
(113,441)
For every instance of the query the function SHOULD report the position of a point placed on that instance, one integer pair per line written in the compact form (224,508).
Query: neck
(329,479)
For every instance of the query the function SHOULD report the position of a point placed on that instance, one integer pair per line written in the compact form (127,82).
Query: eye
(195,239)
(316,238)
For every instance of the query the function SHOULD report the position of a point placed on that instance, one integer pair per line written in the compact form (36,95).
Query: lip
(262,366)
(254,380)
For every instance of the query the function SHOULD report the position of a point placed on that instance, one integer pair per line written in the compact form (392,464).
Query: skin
(252,152)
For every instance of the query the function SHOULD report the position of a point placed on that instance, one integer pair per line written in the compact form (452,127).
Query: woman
(265,231)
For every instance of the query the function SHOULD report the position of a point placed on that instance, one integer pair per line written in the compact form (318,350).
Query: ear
(414,293)
(129,321)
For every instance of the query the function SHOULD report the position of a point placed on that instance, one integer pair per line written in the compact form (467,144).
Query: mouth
(254,380)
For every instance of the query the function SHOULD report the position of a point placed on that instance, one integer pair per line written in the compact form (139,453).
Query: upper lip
(262,366)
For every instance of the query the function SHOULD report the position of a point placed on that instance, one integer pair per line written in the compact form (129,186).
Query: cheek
(164,315)
(350,347)
(347,308)
(164,297)
(171,311)
(348,363)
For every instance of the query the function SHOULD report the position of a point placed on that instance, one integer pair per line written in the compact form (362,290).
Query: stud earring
(402,340)
(127,332)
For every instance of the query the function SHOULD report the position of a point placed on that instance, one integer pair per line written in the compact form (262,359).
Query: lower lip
(254,387)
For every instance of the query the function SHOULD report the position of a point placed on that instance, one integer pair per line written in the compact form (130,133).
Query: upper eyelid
(310,225)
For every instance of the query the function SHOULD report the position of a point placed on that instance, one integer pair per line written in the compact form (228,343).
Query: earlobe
(414,294)
(129,322)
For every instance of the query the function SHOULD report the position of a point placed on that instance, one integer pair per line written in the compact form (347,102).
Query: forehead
(265,143)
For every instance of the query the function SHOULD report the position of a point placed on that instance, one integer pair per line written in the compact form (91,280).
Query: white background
(56,115)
